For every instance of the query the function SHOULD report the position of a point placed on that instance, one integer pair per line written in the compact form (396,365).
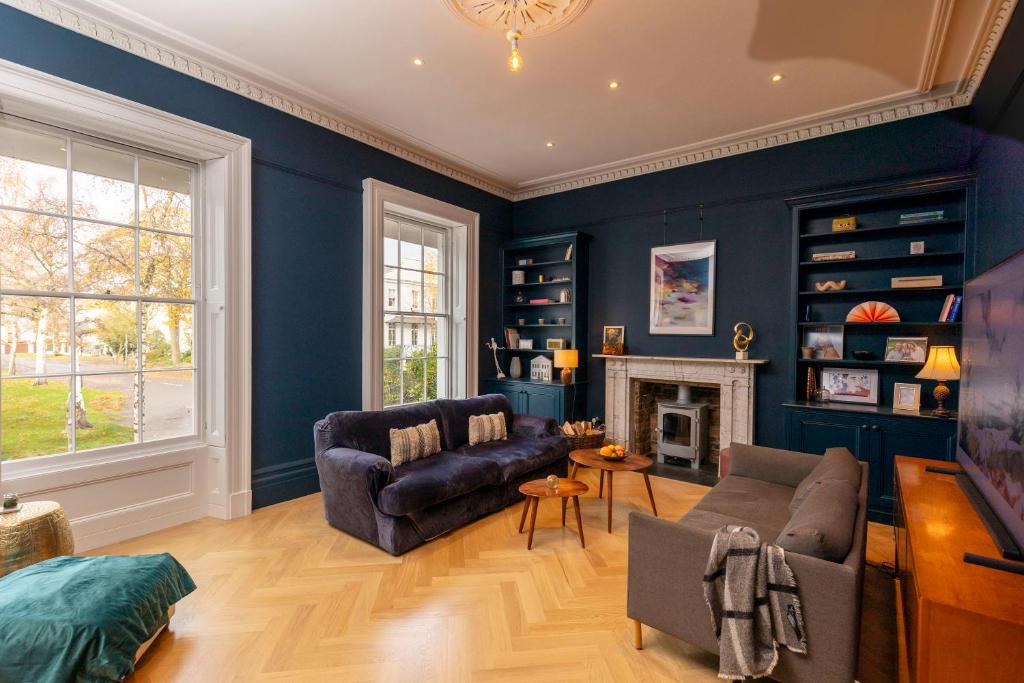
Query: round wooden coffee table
(538,488)
(634,462)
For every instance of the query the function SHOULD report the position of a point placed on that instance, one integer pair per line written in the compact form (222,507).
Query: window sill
(70,463)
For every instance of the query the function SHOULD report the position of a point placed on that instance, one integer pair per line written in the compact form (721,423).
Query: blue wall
(307,238)
(745,210)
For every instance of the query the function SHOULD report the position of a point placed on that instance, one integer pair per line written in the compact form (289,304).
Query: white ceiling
(695,74)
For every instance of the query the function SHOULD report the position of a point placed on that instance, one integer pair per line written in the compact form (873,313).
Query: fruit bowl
(612,452)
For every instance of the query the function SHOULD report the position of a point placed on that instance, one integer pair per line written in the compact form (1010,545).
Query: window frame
(72,295)
(463,282)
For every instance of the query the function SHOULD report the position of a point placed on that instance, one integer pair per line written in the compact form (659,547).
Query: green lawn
(33,420)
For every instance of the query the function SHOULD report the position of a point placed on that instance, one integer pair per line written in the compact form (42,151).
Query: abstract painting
(683,288)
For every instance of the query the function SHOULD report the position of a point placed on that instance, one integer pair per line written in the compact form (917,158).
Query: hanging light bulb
(515,60)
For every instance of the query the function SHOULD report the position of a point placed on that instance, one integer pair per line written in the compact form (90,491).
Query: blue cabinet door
(511,390)
(545,401)
(922,439)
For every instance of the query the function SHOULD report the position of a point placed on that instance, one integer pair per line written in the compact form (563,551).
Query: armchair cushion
(455,416)
(823,524)
(837,463)
(518,455)
(422,483)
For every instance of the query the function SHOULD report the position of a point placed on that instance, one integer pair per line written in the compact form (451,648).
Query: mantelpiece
(734,378)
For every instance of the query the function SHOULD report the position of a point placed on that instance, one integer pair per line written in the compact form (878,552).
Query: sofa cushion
(413,443)
(706,520)
(823,524)
(455,416)
(518,455)
(369,430)
(760,504)
(421,483)
(837,463)
(484,428)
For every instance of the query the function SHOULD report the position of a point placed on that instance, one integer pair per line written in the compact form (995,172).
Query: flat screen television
(990,438)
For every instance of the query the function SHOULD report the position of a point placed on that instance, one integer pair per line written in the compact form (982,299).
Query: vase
(515,368)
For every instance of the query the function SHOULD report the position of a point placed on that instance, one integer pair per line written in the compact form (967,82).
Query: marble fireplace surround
(735,380)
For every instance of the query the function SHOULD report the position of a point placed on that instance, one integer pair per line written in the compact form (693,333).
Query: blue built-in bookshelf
(881,243)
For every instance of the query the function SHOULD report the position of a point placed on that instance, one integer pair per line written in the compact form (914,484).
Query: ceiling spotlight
(777,78)
(417,62)
(614,85)
(549,144)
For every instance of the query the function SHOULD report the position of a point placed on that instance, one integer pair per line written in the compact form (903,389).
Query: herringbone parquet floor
(284,597)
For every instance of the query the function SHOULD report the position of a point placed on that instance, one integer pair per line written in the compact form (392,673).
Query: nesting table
(634,462)
(538,488)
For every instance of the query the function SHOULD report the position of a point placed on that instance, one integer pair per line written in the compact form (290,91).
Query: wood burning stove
(683,428)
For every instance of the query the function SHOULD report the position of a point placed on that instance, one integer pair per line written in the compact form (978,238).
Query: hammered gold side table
(36,532)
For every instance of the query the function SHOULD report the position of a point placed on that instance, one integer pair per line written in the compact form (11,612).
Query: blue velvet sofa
(399,508)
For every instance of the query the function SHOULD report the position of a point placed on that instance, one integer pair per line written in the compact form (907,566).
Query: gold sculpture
(741,342)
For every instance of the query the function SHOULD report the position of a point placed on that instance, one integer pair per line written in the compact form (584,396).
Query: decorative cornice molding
(749,141)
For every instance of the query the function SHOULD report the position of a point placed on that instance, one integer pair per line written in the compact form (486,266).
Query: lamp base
(941,393)
(566,376)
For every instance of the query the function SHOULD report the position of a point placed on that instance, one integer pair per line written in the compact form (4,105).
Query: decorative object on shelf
(541,369)
(613,342)
(807,352)
(520,321)
(844,223)
(555,344)
(812,385)
(807,313)
(906,397)
(540,279)
(564,295)
(917,248)
(568,360)
(539,301)
(822,396)
(552,481)
(941,366)
(851,386)
(562,321)
(847,255)
(916,281)
(519,297)
(826,340)
(683,288)
(830,285)
(922,217)
(493,346)
(906,349)
(950,308)
(512,338)
(515,368)
(524,262)
(863,354)
(873,312)
(519,277)
(542,321)
(10,502)
(741,342)
(568,253)
(525,344)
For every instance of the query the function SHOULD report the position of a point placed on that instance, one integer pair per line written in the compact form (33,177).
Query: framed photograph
(683,288)
(851,386)
(614,340)
(525,343)
(906,397)
(555,344)
(906,349)
(826,340)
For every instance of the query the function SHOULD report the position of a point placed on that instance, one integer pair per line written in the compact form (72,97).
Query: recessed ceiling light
(417,62)
(614,85)
(549,144)
(777,78)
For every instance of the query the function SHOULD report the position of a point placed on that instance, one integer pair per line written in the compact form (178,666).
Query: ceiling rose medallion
(518,18)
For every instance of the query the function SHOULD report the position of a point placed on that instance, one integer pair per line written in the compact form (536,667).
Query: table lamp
(941,366)
(567,359)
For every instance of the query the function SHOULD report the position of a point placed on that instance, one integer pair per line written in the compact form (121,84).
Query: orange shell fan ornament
(873,312)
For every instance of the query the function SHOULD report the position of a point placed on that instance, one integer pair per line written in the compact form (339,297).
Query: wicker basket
(594,440)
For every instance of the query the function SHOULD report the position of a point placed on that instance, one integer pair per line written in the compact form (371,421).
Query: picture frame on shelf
(849,385)
(525,344)
(682,296)
(555,344)
(906,349)
(826,340)
(613,340)
(906,397)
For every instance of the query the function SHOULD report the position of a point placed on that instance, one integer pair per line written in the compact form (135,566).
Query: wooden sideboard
(958,622)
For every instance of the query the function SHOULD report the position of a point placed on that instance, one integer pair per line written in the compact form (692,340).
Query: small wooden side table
(36,532)
(634,462)
(538,488)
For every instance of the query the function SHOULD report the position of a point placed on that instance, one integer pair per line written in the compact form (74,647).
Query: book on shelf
(541,301)
(511,338)
(922,217)
(946,305)
(916,281)
(954,310)
(834,256)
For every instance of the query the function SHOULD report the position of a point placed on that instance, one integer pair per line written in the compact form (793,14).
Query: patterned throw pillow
(413,443)
(484,428)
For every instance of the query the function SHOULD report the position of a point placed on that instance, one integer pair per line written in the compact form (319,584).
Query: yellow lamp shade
(941,365)
(567,358)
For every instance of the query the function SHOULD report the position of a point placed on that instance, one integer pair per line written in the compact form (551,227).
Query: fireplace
(683,428)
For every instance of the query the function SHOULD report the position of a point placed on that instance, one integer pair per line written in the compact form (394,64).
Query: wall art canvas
(851,386)
(613,340)
(683,288)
